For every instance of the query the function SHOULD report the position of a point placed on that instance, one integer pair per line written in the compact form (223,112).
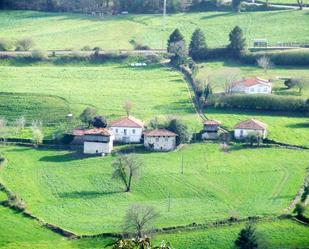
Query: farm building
(160,140)
(252,85)
(98,141)
(127,130)
(250,126)
(211,128)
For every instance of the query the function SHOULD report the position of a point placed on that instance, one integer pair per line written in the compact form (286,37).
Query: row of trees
(113,6)
(24,44)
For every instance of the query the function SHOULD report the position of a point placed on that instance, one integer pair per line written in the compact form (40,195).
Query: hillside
(74,31)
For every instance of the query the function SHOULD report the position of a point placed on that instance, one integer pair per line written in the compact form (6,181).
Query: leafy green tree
(182,130)
(99,122)
(88,115)
(208,91)
(126,168)
(175,37)
(237,42)
(198,46)
(247,238)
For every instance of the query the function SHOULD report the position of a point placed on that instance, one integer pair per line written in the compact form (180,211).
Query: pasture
(74,31)
(49,92)
(79,195)
(273,234)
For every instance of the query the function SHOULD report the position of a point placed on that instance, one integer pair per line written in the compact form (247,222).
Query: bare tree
(127,106)
(126,167)
(20,124)
(3,129)
(300,4)
(139,218)
(265,63)
(37,133)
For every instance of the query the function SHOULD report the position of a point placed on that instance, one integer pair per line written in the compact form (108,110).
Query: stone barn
(98,141)
(160,140)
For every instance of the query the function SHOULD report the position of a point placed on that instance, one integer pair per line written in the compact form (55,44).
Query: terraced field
(74,31)
(79,195)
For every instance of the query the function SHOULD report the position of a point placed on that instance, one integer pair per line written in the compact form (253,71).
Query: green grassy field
(75,31)
(277,234)
(50,92)
(79,195)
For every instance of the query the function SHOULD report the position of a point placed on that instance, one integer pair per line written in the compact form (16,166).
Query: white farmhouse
(160,140)
(98,141)
(250,126)
(252,85)
(127,130)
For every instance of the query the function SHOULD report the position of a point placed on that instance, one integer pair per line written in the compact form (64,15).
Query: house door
(241,133)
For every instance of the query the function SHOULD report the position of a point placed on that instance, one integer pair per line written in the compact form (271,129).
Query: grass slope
(154,90)
(79,195)
(276,234)
(76,31)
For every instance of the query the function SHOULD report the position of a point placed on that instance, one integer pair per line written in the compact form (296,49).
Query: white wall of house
(243,133)
(98,147)
(260,88)
(160,143)
(126,134)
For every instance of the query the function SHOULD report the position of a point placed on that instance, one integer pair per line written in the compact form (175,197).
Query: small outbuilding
(252,85)
(250,126)
(160,140)
(211,129)
(98,141)
(127,129)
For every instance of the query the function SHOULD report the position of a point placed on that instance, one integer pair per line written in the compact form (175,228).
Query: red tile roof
(251,124)
(251,82)
(127,122)
(212,122)
(160,133)
(98,132)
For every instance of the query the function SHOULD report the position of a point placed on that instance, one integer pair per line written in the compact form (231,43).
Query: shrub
(16,202)
(217,53)
(5,45)
(259,102)
(24,44)
(86,48)
(182,130)
(39,55)
(1,159)
(139,46)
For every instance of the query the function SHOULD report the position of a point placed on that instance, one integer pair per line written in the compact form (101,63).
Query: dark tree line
(112,6)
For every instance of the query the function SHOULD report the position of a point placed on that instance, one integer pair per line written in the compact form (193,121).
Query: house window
(251,89)
(116,130)
(265,89)
(133,131)
(166,139)
(241,133)
(157,139)
(259,90)
(125,131)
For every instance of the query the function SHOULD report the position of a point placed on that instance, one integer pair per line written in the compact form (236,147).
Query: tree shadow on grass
(87,194)
(298,125)
(282,197)
(64,158)
(218,15)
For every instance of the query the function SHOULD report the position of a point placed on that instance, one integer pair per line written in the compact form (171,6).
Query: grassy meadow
(274,234)
(48,92)
(73,31)
(78,194)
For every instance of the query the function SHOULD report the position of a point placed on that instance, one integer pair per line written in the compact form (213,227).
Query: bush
(24,44)
(5,45)
(39,55)
(259,102)
(217,53)
(139,46)
(16,202)
(182,130)
(2,159)
(86,48)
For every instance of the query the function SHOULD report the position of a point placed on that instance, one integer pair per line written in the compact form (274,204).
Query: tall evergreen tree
(198,46)
(237,42)
(175,37)
(247,238)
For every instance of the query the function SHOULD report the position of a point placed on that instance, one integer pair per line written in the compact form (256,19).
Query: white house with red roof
(250,126)
(160,140)
(252,85)
(98,141)
(127,129)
